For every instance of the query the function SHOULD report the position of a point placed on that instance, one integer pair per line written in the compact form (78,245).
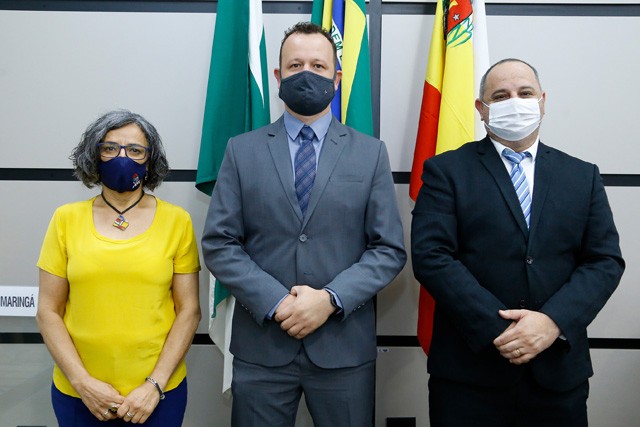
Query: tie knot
(514,157)
(306,133)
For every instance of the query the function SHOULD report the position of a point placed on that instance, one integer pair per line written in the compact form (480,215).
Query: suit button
(523,303)
(529,260)
(303,238)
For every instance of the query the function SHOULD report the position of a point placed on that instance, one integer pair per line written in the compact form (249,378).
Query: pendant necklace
(121,223)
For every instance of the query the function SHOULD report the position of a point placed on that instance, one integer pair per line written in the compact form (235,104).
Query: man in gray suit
(304,230)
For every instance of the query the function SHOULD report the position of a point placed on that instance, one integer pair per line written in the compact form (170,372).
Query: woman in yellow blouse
(118,305)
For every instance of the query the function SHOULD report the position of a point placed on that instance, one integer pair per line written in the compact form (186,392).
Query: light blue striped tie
(305,167)
(519,180)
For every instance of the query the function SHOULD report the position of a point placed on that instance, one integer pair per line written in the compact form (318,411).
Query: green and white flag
(237,102)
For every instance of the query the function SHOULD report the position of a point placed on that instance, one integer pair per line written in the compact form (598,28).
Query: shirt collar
(533,150)
(320,127)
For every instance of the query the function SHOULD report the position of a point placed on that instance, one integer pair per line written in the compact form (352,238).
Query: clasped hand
(529,334)
(105,403)
(303,311)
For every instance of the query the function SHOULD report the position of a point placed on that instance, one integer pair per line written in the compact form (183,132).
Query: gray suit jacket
(258,244)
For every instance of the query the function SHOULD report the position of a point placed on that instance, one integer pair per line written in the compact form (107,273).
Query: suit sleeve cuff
(335,300)
(275,307)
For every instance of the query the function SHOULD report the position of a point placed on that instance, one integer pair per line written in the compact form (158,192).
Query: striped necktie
(519,180)
(305,167)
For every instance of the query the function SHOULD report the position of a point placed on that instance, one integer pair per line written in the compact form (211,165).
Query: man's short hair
(309,28)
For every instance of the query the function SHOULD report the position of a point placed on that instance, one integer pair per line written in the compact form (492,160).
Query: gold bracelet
(155,383)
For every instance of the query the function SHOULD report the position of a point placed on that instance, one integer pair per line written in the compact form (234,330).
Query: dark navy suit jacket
(472,251)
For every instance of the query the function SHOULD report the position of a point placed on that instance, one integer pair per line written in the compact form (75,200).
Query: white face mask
(515,118)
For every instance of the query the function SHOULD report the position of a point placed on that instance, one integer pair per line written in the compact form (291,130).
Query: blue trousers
(71,412)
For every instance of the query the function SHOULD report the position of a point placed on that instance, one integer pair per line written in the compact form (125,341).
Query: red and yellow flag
(458,56)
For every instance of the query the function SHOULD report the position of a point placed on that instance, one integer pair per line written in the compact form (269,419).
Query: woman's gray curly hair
(86,157)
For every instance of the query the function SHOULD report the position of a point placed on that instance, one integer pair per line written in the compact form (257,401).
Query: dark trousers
(71,412)
(269,396)
(526,404)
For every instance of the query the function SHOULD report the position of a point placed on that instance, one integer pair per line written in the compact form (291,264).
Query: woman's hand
(100,398)
(139,404)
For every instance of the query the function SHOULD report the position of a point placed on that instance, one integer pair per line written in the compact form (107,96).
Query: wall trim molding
(382,341)
(189,175)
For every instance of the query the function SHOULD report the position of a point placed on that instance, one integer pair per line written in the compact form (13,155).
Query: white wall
(61,70)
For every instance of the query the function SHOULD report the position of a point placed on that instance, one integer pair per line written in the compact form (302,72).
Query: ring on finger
(130,415)
(106,413)
(518,352)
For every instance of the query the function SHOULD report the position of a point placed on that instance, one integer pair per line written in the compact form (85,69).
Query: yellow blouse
(120,307)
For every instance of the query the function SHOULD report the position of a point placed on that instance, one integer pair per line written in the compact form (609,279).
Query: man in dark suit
(303,228)
(520,253)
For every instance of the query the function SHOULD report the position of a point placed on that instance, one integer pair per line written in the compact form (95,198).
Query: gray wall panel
(25,396)
(23,229)
(583,63)
(397,368)
(620,318)
(64,69)
(590,103)
(613,397)
(401,83)
(60,70)
(397,303)
(25,385)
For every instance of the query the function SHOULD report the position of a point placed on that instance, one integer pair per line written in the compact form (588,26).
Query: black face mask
(306,92)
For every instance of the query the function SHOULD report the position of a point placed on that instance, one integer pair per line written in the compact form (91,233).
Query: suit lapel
(543,177)
(279,147)
(332,147)
(493,163)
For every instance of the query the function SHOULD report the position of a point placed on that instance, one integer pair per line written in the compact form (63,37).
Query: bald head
(499,64)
